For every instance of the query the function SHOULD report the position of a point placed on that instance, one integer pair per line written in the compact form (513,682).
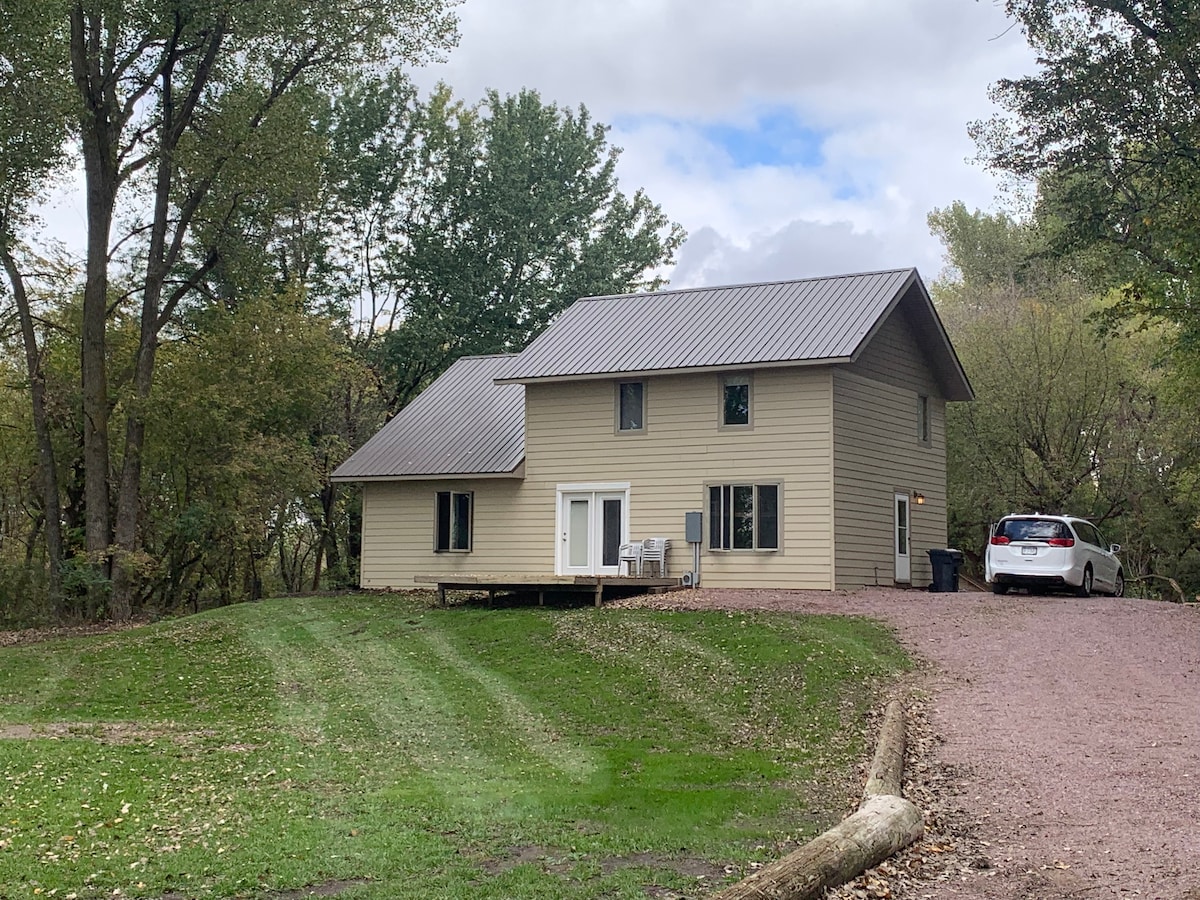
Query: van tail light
(1000,540)
(1061,542)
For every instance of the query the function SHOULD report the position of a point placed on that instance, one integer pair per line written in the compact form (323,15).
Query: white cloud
(800,249)
(889,87)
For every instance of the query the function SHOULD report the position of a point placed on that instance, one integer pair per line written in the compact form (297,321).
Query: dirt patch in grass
(329,888)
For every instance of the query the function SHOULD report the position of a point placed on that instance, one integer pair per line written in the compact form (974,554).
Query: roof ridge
(746,284)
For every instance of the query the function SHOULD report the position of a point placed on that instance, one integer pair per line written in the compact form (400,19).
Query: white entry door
(592,525)
(902,540)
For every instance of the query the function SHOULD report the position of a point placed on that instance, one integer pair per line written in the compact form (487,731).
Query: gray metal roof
(462,424)
(814,320)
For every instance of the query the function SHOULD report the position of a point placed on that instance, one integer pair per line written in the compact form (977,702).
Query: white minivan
(1042,552)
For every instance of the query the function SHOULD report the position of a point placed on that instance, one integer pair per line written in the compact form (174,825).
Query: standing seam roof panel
(463,423)
(778,322)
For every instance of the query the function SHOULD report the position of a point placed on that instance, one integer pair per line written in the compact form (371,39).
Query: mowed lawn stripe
(304,678)
(536,734)
(698,680)
(401,691)
(30,678)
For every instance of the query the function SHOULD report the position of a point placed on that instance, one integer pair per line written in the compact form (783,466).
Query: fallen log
(885,823)
(887,769)
(882,826)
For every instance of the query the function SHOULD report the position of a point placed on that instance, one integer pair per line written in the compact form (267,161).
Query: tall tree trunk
(51,502)
(161,255)
(129,494)
(327,547)
(98,133)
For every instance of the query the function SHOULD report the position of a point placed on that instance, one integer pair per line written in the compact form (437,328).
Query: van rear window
(1032,529)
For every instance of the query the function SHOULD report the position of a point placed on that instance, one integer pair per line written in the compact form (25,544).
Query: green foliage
(189,122)
(232,447)
(985,251)
(473,226)
(418,752)
(1110,128)
(33,105)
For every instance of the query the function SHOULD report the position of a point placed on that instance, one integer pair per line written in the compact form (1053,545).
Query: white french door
(902,540)
(593,522)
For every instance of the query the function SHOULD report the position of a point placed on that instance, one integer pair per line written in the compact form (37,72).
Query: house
(804,420)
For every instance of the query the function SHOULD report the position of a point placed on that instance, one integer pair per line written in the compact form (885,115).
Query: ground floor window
(743,517)
(453,521)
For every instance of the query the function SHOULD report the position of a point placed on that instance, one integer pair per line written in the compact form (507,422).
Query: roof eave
(516,473)
(678,370)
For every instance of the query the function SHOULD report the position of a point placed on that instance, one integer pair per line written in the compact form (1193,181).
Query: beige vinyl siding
(398,532)
(877,454)
(570,438)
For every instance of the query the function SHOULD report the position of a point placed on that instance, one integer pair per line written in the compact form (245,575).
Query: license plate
(1029,551)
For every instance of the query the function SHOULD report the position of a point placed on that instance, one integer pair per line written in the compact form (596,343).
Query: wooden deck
(595,584)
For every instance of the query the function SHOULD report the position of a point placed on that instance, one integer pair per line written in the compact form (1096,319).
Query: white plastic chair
(654,555)
(629,559)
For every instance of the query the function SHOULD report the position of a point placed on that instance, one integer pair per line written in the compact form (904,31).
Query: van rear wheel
(1085,587)
(998,588)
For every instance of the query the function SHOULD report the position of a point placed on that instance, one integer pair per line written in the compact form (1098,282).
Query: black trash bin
(945,569)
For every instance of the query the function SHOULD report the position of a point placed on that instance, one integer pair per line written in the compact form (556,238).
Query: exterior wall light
(918,498)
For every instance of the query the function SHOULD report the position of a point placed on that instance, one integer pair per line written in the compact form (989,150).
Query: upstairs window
(631,406)
(453,522)
(735,400)
(743,517)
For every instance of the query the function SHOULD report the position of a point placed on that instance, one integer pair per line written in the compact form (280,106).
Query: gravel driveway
(1067,752)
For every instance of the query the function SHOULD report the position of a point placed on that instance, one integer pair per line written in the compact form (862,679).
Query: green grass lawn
(373,746)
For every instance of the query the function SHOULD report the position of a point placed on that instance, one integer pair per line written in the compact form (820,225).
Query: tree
(1110,129)
(471,226)
(33,104)
(182,111)
(230,459)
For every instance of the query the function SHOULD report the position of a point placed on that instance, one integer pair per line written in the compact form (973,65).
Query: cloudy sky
(789,137)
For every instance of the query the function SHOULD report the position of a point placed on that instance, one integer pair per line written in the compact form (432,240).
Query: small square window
(453,530)
(631,406)
(735,400)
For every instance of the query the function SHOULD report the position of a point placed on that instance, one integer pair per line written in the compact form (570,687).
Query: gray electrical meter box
(693,527)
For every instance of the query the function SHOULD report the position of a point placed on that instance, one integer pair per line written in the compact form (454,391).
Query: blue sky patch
(776,138)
